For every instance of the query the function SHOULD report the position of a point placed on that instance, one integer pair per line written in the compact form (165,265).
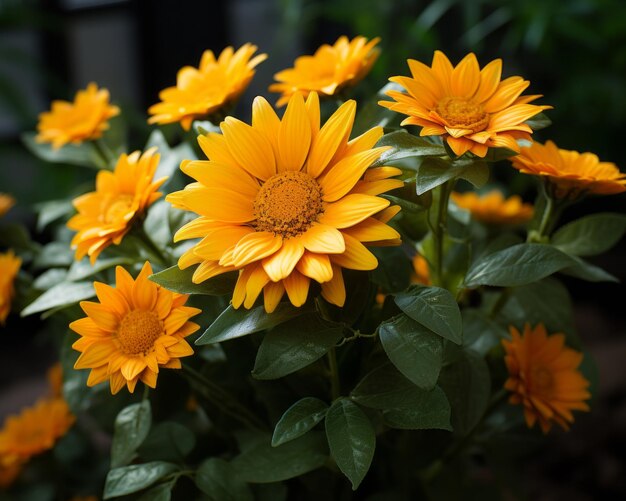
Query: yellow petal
(323,239)
(282,263)
(103,317)
(356,256)
(219,240)
(216,175)
(334,291)
(352,209)
(250,148)
(313,110)
(315,266)
(466,77)
(372,230)
(297,287)
(272,294)
(132,367)
(221,205)
(294,135)
(265,120)
(255,246)
(215,148)
(258,279)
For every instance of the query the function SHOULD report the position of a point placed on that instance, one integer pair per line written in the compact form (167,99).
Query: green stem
(151,247)
(224,401)
(105,152)
(333,369)
(546,217)
(440,227)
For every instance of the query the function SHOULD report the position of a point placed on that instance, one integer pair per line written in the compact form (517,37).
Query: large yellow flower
(570,173)
(493,208)
(472,109)
(9,267)
(204,91)
(285,201)
(331,69)
(544,377)
(6,202)
(137,328)
(106,215)
(33,431)
(83,120)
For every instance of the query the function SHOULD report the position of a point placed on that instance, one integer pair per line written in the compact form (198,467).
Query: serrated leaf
(133,478)
(294,345)
(233,323)
(63,294)
(131,428)
(435,308)
(298,419)
(219,480)
(261,463)
(590,235)
(405,145)
(177,280)
(351,438)
(414,349)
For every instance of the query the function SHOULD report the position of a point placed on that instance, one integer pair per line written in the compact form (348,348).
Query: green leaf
(351,438)
(406,205)
(15,236)
(538,122)
(294,345)
(405,145)
(498,154)
(50,278)
(178,280)
(477,173)
(587,271)
(480,333)
(220,481)
(170,157)
(434,308)
(133,478)
(79,270)
(63,294)
(590,235)
(131,428)
(467,385)
(161,492)
(429,411)
(50,211)
(84,154)
(414,349)
(168,441)
(434,171)
(298,419)
(371,114)
(54,254)
(234,323)
(261,463)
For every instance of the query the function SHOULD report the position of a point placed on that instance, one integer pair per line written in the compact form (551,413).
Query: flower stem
(440,227)
(151,247)
(105,152)
(333,369)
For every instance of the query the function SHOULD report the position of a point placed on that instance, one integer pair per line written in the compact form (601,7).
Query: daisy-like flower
(331,69)
(35,430)
(6,202)
(286,202)
(83,120)
(493,208)
(209,89)
(570,173)
(9,267)
(544,377)
(472,109)
(136,329)
(106,215)
(421,270)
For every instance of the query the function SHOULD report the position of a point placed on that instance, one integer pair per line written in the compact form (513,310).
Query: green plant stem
(151,247)
(333,369)
(546,217)
(105,152)
(440,227)
(224,401)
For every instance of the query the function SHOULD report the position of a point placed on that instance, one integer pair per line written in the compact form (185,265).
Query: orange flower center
(541,379)
(462,113)
(138,331)
(117,208)
(287,204)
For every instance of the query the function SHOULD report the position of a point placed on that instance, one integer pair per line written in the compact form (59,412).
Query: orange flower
(202,92)
(9,473)
(83,120)
(331,69)
(421,270)
(55,379)
(544,377)
(6,202)
(570,173)
(106,215)
(493,208)
(9,267)
(472,109)
(137,328)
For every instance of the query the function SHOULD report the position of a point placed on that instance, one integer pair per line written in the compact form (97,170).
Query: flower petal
(323,239)
(334,291)
(315,266)
(352,209)
(282,263)
(250,148)
(294,135)
(356,256)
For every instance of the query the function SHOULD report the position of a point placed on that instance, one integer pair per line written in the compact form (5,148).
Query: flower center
(287,204)
(117,208)
(541,379)
(462,113)
(138,331)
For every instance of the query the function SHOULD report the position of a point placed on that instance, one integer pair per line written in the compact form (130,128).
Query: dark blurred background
(573,52)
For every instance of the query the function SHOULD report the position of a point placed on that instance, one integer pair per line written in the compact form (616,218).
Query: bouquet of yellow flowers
(346,300)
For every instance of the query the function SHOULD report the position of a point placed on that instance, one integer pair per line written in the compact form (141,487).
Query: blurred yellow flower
(54,375)
(9,473)
(421,270)
(285,201)
(6,202)
(33,431)
(106,215)
(209,89)
(331,69)
(83,120)
(9,267)
(472,109)
(570,173)
(136,329)
(493,208)
(544,377)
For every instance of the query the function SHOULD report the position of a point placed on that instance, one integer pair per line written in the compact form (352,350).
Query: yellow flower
(136,329)
(421,270)
(544,377)
(33,431)
(331,69)
(284,202)
(106,215)
(9,267)
(6,202)
(9,473)
(202,92)
(54,375)
(472,109)
(570,173)
(493,208)
(83,120)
